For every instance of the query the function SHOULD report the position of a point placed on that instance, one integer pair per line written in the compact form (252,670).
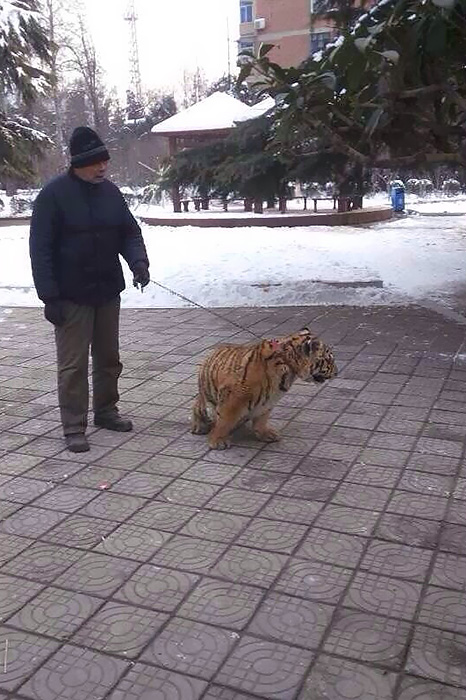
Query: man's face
(93,173)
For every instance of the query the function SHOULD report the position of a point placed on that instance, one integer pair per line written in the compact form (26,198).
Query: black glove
(141,274)
(54,312)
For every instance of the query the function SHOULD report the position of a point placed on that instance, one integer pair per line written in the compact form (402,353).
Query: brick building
(295,27)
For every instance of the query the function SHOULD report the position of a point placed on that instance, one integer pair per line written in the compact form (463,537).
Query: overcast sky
(172,35)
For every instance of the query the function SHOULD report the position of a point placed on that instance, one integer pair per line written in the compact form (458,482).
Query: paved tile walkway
(331,565)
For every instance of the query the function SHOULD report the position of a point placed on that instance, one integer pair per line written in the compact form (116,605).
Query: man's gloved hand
(54,312)
(141,274)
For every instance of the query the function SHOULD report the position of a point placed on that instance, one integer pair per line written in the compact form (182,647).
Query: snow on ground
(414,258)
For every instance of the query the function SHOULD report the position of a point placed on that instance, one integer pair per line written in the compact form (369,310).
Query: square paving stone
(14,593)
(228,605)
(309,488)
(406,529)
(236,456)
(42,562)
(292,511)
(449,571)
(120,629)
(191,493)
(367,475)
(444,609)
(285,618)
(397,560)
(187,646)
(97,574)
(456,513)
(370,638)
(24,653)
(15,463)
(11,545)
(439,655)
(94,477)
(156,588)
(265,668)
(271,535)
(79,531)
(453,539)
(147,681)
(165,516)
(244,565)
(418,689)
(350,520)
(431,484)
(75,673)
(144,485)
(370,497)
(314,580)
(339,679)
(332,547)
(324,468)
(238,501)
(113,506)
(31,522)
(220,527)
(434,464)
(55,613)
(165,465)
(54,470)
(7,509)
(189,553)
(417,505)
(275,462)
(211,473)
(133,542)
(123,458)
(383,596)
(66,498)
(262,482)
(23,490)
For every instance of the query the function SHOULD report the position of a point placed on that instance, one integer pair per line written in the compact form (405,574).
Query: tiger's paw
(267,435)
(200,428)
(219,443)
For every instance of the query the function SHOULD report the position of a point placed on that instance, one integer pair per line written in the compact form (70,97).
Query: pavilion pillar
(175,191)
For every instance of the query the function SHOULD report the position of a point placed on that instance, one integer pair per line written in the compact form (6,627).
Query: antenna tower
(135,88)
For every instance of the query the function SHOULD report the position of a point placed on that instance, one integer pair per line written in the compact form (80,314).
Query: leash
(199,306)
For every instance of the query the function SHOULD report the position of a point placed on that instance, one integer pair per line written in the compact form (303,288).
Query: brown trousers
(87,327)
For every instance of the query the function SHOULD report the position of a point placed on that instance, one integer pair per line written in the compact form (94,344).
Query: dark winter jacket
(78,230)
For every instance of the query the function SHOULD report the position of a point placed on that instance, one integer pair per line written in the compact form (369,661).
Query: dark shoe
(113,422)
(77,442)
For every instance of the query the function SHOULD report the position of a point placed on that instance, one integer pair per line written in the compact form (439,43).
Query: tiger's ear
(305,330)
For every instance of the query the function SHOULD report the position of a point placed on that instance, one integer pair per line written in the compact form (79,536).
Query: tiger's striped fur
(243,382)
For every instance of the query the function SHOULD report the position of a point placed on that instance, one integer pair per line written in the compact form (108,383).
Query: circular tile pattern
(225,604)
(189,553)
(350,520)
(120,629)
(14,593)
(160,589)
(66,498)
(43,562)
(343,680)
(74,672)
(163,515)
(148,682)
(238,501)
(291,511)
(445,609)
(397,560)
(79,531)
(139,484)
(309,488)
(193,647)
(449,571)
(332,547)
(55,613)
(418,689)
(190,493)
(25,653)
(383,596)
(112,506)
(244,565)
(31,522)
(133,542)
(267,669)
(438,655)
(210,525)
(409,530)
(275,536)
(314,580)
(294,620)
(97,574)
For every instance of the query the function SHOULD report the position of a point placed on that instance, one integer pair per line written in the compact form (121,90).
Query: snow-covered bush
(451,186)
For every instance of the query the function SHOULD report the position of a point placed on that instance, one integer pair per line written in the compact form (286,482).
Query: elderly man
(80,226)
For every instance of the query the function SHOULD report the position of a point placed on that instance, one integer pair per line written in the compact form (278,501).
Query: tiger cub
(243,382)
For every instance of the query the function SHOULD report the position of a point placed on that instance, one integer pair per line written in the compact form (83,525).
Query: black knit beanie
(86,148)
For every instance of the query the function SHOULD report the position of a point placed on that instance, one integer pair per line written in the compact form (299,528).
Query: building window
(246,45)
(245,8)
(319,40)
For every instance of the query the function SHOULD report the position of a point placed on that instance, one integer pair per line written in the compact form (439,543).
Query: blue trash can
(397,196)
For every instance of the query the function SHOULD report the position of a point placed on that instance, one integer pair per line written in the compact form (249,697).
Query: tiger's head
(308,357)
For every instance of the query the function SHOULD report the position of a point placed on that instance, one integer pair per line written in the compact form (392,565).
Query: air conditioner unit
(259,23)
